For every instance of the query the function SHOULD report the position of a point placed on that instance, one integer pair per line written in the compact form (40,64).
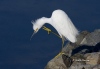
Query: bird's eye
(36,30)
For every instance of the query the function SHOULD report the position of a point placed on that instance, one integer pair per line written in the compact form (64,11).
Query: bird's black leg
(61,52)
(62,43)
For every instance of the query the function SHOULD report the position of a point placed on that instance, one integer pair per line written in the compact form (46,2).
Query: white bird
(61,22)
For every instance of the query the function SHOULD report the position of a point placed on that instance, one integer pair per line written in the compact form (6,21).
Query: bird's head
(39,23)
(36,26)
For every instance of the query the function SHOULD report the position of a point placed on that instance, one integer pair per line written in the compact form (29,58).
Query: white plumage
(61,22)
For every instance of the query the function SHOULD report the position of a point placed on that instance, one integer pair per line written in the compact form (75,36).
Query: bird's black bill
(33,34)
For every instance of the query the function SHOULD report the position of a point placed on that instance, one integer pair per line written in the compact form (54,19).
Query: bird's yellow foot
(61,53)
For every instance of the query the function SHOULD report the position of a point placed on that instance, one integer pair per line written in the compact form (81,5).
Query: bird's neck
(43,20)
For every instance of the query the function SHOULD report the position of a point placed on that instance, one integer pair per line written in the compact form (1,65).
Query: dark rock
(67,60)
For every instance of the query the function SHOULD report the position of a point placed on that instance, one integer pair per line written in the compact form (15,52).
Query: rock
(93,58)
(84,54)
(56,63)
(92,39)
(67,60)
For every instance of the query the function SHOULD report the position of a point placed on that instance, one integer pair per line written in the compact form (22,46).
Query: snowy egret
(61,22)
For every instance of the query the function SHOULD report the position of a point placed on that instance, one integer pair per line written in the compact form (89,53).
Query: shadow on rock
(86,49)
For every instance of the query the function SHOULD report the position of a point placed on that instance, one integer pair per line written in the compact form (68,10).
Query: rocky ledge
(84,54)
